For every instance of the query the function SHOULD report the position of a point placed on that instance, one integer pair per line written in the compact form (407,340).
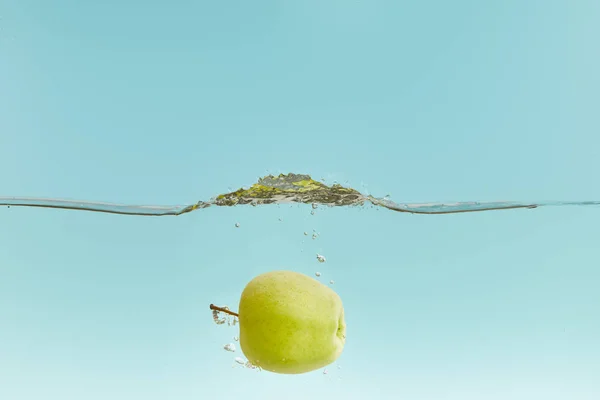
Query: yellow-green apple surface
(290,323)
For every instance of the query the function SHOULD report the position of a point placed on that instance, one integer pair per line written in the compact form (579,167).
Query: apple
(290,323)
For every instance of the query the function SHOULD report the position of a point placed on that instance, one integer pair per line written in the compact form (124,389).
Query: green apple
(290,323)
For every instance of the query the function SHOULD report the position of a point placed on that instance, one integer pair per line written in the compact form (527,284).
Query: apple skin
(290,323)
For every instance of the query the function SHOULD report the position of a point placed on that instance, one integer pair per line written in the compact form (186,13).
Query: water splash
(283,189)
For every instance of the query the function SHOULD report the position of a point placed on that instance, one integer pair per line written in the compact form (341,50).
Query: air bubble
(331,282)
(314,236)
(325,371)
(305,233)
(229,347)
(321,258)
(240,360)
(237,339)
(237,224)
(315,206)
(317,273)
(218,319)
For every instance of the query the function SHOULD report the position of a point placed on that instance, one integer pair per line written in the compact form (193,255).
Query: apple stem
(225,310)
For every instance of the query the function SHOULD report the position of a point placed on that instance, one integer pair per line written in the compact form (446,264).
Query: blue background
(156,102)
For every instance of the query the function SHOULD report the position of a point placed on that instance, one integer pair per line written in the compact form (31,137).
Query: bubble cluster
(219,320)
(246,364)
(251,366)
(222,319)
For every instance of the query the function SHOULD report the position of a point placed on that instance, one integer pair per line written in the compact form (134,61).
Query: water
(284,189)
(170,108)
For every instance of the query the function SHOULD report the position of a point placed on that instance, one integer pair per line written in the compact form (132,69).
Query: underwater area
(425,173)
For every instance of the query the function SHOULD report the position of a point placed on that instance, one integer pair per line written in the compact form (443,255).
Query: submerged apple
(290,323)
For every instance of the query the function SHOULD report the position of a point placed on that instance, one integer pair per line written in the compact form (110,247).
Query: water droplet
(321,258)
(229,347)
(331,282)
(317,273)
(237,224)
